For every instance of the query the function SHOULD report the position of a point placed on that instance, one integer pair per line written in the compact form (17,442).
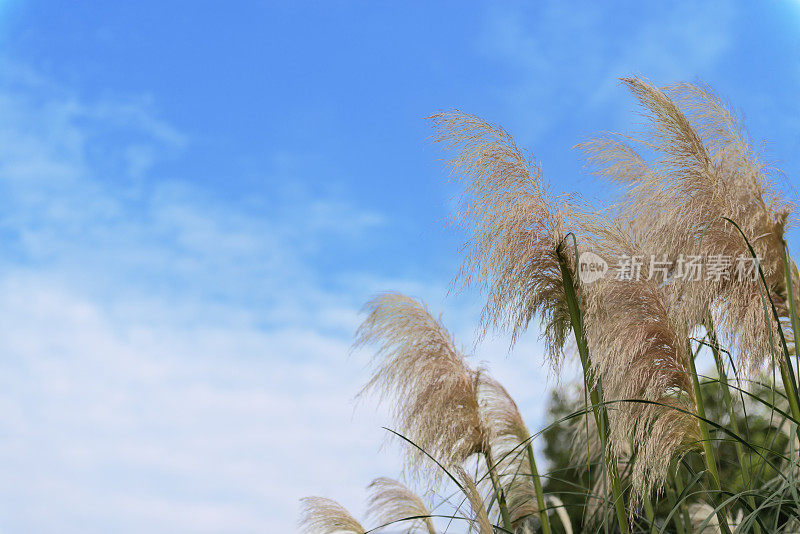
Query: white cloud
(171,361)
(174,361)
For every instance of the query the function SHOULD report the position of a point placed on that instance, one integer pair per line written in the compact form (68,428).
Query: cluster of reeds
(689,186)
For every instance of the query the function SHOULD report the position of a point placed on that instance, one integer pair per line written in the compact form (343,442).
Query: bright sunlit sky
(197,197)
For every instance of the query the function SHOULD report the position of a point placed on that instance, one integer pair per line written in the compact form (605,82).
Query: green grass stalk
(787,267)
(673,504)
(594,387)
(649,513)
(537,485)
(498,489)
(708,451)
(679,487)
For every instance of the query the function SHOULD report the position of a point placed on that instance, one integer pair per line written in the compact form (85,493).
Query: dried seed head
(703,169)
(433,389)
(509,440)
(513,229)
(324,516)
(392,501)
(638,338)
(479,520)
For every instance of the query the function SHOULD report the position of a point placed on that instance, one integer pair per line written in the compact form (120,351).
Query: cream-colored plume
(513,229)
(479,520)
(392,502)
(703,169)
(324,516)
(638,338)
(509,437)
(434,392)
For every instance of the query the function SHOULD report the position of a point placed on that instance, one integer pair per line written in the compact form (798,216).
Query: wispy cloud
(173,361)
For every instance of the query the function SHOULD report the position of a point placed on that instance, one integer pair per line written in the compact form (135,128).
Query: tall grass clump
(687,415)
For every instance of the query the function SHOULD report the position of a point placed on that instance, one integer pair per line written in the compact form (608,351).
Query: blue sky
(196,199)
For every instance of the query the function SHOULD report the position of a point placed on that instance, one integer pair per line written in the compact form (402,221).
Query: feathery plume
(392,501)
(418,364)
(325,516)
(703,171)
(500,411)
(480,518)
(510,438)
(513,229)
(748,196)
(556,504)
(637,331)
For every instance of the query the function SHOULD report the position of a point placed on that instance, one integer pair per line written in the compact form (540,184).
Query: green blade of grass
(708,452)
(601,417)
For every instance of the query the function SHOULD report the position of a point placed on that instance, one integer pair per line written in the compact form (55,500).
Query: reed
(516,248)
(324,516)
(665,447)
(392,502)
